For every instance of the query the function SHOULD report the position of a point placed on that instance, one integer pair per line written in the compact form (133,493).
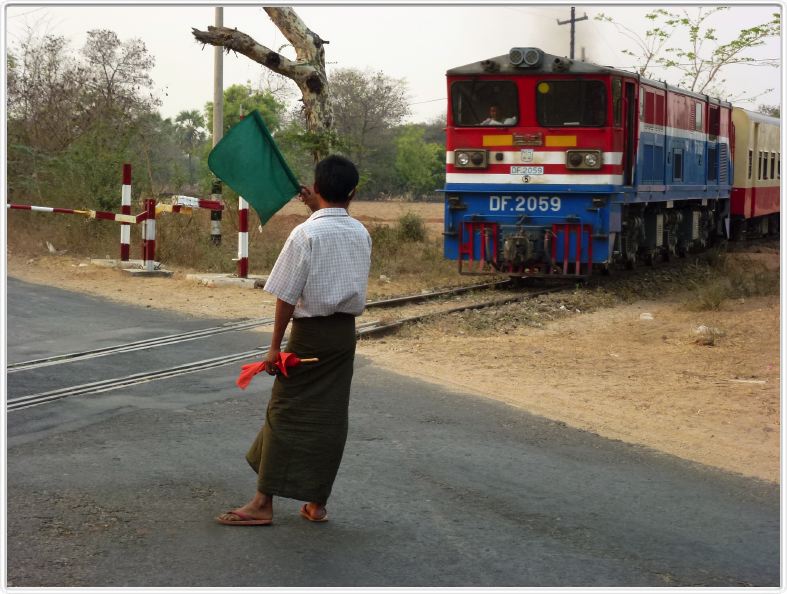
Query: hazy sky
(417,43)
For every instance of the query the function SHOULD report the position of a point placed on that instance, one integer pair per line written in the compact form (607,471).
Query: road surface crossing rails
(368,329)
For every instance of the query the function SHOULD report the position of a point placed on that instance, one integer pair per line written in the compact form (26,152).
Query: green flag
(248,161)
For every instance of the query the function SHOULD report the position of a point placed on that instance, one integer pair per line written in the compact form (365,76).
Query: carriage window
(759,165)
(698,116)
(571,103)
(714,120)
(751,159)
(773,165)
(484,103)
(659,110)
(677,165)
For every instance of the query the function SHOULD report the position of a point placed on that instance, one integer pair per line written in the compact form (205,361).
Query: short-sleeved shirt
(323,267)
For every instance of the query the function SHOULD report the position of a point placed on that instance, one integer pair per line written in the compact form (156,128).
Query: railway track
(137,345)
(368,329)
(228,327)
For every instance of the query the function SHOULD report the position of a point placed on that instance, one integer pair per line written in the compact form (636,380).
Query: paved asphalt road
(437,488)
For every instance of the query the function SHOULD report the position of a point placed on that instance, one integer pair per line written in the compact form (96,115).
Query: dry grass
(406,242)
(731,276)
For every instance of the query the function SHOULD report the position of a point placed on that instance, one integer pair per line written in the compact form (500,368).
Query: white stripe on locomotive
(552,179)
(539,158)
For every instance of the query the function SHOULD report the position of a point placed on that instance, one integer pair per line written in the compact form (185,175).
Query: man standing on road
(320,281)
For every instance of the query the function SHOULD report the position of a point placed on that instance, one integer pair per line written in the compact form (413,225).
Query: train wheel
(521,282)
(737,228)
(773,225)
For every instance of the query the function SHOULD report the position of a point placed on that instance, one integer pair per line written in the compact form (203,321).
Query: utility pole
(572,20)
(218,124)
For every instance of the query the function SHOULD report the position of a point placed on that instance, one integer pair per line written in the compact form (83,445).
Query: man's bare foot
(314,512)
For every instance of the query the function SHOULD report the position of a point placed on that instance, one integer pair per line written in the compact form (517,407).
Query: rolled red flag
(284,361)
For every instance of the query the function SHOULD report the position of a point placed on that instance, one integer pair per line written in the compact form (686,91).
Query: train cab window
(571,103)
(617,101)
(484,103)
(751,160)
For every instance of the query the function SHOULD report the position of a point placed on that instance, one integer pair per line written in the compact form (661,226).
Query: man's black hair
(335,178)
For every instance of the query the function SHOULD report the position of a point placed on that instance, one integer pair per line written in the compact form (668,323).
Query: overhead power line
(427,101)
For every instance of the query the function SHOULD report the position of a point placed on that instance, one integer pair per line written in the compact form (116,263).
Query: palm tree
(191,126)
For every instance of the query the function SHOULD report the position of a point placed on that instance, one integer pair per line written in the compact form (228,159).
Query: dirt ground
(643,379)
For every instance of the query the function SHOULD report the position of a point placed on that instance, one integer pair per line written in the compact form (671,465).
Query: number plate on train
(526,170)
(532,204)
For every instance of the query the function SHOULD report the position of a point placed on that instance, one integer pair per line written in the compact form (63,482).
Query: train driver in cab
(494,114)
(496,119)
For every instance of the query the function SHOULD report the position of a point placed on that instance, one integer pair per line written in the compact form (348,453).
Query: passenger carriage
(754,202)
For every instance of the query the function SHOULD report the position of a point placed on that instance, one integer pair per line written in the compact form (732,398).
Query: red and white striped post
(243,238)
(149,227)
(125,208)
(243,229)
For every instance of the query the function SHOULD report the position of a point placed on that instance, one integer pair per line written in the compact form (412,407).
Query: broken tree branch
(307,71)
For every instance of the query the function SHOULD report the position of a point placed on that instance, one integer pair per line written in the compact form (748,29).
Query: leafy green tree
(419,164)
(157,145)
(701,62)
(298,145)
(241,100)
(73,117)
(434,130)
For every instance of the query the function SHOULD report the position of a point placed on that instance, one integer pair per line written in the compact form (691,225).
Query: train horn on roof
(525,57)
(561,64)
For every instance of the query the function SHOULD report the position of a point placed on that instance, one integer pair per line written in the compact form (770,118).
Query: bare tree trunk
(307,71)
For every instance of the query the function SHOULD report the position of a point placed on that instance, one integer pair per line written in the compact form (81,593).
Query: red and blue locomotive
(556,167)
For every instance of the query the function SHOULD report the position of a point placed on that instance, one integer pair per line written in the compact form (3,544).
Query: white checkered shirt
(323,267)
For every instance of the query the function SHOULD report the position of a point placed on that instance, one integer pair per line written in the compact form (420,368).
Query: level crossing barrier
(179,204)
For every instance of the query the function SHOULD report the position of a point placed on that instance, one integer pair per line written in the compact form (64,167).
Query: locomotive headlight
(591,160)
(583,159)
(470,158)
